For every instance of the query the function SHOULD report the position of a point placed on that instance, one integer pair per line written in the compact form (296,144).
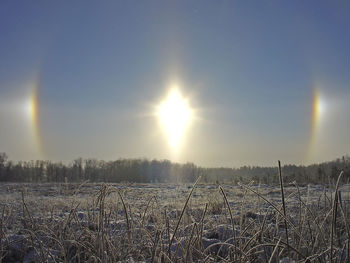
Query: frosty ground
(154,223)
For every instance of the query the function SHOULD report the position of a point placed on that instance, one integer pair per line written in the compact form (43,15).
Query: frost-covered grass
(172,223)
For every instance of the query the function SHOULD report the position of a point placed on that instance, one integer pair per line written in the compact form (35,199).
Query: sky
(262,80)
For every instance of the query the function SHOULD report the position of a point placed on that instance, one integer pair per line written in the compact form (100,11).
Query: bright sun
(174,115)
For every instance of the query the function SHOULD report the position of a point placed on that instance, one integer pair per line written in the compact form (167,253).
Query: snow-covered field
(154,223)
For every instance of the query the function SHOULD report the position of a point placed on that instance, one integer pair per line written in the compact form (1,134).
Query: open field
(155,223)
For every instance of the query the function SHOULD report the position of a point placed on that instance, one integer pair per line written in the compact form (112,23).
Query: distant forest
(164,171)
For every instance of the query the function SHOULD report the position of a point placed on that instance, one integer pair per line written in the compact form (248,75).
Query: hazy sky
(266,80)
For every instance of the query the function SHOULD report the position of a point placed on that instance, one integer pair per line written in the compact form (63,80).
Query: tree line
(164,171)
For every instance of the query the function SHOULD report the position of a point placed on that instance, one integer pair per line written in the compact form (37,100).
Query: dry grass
(173,223)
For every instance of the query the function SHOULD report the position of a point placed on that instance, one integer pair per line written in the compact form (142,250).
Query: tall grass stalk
(334,217)
(283,202)
(181,215)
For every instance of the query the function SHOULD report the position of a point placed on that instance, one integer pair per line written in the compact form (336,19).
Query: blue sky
(248,68)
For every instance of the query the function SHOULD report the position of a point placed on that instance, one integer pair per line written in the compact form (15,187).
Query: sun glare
(174,115)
